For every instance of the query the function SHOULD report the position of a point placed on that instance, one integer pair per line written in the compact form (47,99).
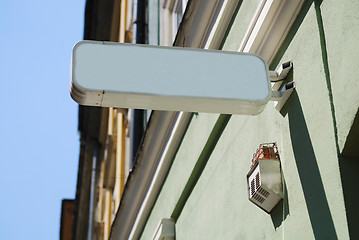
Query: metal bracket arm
(277,77)
(281,72)
(282,96)
(287,89)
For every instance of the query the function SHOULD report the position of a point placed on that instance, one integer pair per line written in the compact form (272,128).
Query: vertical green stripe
(201,164)
(323,46)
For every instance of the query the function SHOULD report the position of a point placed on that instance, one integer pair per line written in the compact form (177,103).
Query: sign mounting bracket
(280,92)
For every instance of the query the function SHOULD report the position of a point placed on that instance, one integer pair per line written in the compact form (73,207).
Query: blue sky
(39,140)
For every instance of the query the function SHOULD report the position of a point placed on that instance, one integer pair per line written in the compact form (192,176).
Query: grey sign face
(168,78)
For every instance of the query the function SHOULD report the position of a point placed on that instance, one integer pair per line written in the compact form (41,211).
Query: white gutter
(163,167)
(269,27)
(159,138)
(220,26)
(199,19)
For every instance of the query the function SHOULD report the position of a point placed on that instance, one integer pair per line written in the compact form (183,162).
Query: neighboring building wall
(111,174)
(205,191)
(67,216)
(103,163)
(114,168)
(164,18)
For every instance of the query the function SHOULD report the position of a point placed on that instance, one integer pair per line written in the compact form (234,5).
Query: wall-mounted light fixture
(264,179)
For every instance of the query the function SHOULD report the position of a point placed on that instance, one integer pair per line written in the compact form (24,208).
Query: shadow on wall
(314,194)
(292,32)
(317,204)
(281,211)
(349,172)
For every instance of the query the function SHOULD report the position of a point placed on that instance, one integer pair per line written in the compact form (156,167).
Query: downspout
(139,21)
(92,193)
(137,125)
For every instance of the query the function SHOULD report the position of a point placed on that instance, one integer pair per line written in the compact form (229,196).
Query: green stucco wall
(240,24)
(310,133)
(195,139)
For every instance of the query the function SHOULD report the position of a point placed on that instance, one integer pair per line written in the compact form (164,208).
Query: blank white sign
(168,78)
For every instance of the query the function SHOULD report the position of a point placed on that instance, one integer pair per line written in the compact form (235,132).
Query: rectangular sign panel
(168,78)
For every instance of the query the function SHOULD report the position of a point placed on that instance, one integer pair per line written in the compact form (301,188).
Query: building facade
(189,176)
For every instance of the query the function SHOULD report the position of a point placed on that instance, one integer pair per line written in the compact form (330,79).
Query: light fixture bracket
(280,92)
